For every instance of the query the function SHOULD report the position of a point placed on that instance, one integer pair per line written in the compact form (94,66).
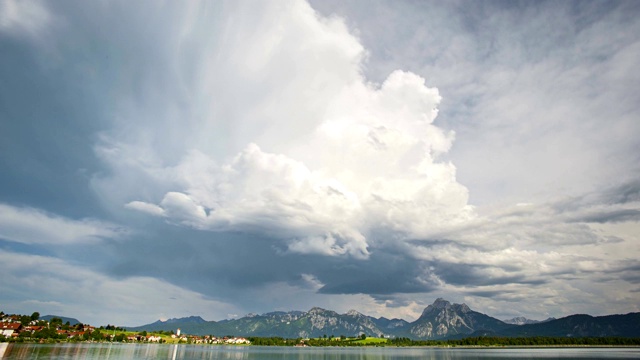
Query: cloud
(24,18)
(150,209)
(535,92)
(626,192)
(33,226)
(327,160)
(50,285)
(330,245)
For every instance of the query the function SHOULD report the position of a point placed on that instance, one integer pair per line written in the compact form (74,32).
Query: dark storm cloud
(46,133)
(203,260)
(613,204)
(612,216)
(384,274)
(207,262)
(474,275)
(629,273)
(223,264)
(626,192)
(486,293)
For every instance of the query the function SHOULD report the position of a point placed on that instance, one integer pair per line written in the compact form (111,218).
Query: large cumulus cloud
(315,155)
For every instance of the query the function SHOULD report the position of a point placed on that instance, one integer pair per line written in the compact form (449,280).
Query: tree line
(520,341)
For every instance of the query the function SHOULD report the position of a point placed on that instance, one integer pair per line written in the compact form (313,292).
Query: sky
(167,159)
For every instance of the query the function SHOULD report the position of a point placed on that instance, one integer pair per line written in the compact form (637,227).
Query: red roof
(10,326)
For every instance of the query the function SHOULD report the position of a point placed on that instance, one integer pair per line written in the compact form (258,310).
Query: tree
(97,335)
(363,336)
(35,316)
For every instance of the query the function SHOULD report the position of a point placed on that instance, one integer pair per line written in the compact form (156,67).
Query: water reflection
(116,351)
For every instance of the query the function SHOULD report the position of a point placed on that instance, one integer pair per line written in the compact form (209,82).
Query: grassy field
(370,341)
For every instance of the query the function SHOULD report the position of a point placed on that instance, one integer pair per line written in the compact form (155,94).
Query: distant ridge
(441,320)
(190,319)
(172,324)
(71,321)
(583,326)
(524,321)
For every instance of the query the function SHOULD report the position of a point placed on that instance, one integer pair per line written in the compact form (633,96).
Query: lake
(173,352)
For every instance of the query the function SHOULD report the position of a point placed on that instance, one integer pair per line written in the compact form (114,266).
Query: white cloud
(24,17)
(33,226)
(316,155)
(146,208)
(331,244)
(311,281)
(374,167)
(541,96)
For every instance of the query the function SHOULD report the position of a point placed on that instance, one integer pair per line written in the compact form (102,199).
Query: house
(237,341)
(152,338)
(33,328)
(76,333)
(9,329)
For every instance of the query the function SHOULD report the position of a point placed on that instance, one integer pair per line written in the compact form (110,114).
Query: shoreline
(5,344)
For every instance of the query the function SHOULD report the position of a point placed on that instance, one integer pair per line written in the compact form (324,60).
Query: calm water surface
(171,352)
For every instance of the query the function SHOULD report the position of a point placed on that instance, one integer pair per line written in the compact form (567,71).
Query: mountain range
(440,320)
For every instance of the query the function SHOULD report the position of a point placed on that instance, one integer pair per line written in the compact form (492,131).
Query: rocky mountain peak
(441,303)
(316,311)
(518,320)
(437,306)
(443,319)
(353,313)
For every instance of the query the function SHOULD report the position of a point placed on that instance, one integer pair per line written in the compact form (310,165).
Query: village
(21,328)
